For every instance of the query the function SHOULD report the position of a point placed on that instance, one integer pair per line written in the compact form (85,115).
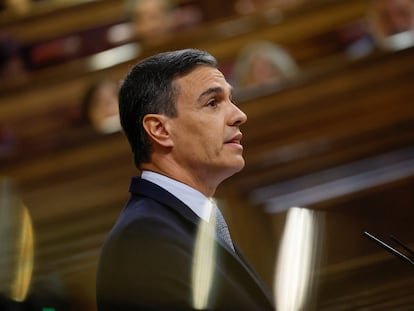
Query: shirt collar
(195,200)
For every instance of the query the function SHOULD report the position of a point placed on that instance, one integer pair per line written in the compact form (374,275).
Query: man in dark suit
(169,249)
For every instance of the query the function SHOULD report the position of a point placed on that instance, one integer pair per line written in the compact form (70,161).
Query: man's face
(205,134)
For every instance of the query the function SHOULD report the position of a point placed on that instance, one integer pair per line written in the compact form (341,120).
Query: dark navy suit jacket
(147,260)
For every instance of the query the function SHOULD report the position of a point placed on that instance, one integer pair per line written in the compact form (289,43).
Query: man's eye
(212,103)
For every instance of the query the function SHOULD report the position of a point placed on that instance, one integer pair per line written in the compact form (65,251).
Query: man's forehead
(204,77)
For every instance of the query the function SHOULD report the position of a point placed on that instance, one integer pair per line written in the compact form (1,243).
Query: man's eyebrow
(213,90)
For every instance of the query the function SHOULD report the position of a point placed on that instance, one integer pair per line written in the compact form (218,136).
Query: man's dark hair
(149,88)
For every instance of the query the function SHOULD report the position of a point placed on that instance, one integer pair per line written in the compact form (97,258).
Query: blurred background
(329,144)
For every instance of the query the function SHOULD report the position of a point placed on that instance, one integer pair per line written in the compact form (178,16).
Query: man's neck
(180,174)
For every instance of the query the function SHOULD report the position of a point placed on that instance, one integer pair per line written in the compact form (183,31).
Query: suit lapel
(148,189)
(254,275)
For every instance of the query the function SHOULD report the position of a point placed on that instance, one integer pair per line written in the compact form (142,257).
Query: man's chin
(237,167)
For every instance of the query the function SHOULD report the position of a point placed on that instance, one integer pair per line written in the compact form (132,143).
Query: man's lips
(236,139)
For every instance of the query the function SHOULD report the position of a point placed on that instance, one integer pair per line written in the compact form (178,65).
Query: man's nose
(238,116)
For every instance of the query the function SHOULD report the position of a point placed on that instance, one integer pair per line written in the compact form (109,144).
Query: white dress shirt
(195,200)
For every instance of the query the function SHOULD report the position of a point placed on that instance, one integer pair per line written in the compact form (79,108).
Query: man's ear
(157,129)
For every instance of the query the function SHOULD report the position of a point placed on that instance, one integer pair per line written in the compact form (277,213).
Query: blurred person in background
(152,21)
(391,17)
(390,28)
(263,63)
(150,18)
(100,106)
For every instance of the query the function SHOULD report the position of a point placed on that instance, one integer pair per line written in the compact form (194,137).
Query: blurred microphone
(400,255)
